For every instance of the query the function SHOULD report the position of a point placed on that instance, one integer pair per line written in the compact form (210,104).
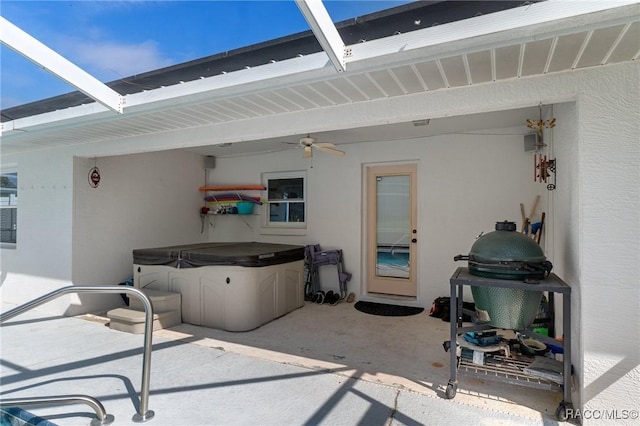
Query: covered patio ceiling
(553,36)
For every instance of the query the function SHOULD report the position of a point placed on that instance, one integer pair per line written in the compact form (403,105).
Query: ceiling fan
(309,144)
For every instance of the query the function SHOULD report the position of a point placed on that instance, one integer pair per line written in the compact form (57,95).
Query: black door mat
(386,310)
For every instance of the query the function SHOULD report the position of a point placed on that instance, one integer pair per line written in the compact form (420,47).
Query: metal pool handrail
(143,413)
(102,418)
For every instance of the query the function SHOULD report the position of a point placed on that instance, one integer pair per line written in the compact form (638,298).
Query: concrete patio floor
(320,364)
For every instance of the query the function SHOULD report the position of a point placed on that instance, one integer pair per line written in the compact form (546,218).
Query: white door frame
(403,287)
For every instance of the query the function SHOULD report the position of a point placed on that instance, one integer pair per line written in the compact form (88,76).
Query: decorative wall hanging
(543,169)
(539,125)
(94,175)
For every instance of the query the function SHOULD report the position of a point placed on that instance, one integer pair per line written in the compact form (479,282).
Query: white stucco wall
(41,261)
(563,228)
(594,238)
(609,186)
(143,200)
(72,234)
(466,183)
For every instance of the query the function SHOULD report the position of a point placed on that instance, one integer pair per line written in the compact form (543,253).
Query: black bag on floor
(440,309)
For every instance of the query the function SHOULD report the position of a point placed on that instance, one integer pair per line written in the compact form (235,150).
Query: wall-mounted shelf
(231,214)
(230,194)
(218,188)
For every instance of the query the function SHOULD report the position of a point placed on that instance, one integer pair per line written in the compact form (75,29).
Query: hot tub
(229,286)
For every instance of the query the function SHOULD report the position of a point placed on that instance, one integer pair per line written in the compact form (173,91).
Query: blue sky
(115,39)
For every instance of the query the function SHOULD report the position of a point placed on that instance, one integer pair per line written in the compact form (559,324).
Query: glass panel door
(391,224)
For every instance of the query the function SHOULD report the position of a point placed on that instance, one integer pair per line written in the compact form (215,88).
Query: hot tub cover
(169,255)
(248,254)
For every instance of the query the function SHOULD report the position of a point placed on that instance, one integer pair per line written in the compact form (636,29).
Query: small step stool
(166,312)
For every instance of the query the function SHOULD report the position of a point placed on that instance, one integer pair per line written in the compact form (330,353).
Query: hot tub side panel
(152,277)
(236,298)
(233,298)
(290,290)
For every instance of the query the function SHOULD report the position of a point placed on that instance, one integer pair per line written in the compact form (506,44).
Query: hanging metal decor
(94,175)
(543,170)
(539,125)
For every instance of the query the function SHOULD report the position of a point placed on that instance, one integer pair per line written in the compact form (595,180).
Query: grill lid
(506,254)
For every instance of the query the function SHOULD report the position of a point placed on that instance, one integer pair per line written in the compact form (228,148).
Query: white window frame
(10,203)
(284,228)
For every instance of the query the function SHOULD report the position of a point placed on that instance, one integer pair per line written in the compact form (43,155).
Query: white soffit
(50,61)
(191,92)
(547,19)
(478,50)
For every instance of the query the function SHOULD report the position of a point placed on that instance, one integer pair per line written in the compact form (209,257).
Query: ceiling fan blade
(324,144)
(329,150)
(307,152)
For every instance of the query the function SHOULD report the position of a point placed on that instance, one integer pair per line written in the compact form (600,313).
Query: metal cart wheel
(451,390)
(562,411)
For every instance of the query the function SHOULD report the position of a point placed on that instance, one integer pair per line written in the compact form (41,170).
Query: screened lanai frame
(459,53)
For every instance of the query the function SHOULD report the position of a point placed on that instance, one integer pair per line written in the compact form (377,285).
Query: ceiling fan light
(308,141)
(309,144)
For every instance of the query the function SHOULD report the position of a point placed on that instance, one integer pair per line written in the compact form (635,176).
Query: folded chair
(314,258)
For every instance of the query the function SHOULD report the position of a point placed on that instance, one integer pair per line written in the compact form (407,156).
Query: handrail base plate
(107,421)
(140,418)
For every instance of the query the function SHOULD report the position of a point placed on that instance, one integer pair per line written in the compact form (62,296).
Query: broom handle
(541,226)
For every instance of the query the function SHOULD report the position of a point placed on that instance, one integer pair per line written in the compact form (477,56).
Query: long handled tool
(540,229)
(526,220)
